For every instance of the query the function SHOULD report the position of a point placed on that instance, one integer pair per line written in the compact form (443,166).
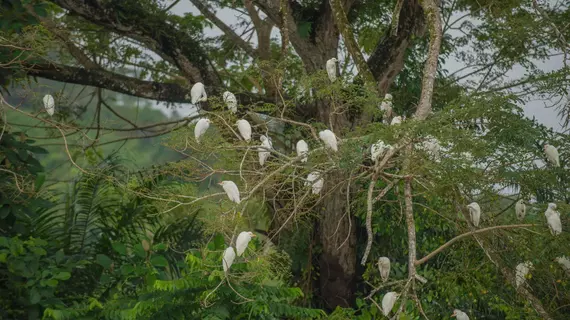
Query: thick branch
(461,236)
(132,19)
(411,225)
(351,45)
(229,32)
(433,18)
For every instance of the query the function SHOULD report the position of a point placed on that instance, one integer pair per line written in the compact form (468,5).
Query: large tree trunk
(337,232)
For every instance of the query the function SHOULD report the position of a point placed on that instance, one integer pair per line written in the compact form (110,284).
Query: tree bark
(337,234)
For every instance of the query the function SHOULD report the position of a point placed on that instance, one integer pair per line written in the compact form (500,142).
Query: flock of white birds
(316,182)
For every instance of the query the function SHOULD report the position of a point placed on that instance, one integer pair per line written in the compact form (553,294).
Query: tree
(142,49)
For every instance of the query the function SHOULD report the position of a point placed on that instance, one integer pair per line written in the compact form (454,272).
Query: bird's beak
(454,314)
(253,235)
(219,183)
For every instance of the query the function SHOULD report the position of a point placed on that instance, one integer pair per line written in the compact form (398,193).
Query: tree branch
(234,37)
(433,17)
(461,236)
(351,45)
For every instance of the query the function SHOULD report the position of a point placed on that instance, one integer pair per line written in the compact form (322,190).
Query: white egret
(432,147)
(520,209)
(201,126)
(49,104)
(331,69)
(263,149)
(244,129)
(198,93)
(396,120)
(302,149)
(521,272)
(228,258)
(384,268)
(378,149)
(231,190)
(475,213)
(329,139)
(553,219)
(231,101)
(552,154)
(460,315)
(386,106)
(242,241)
(388,302)
(564,263)
(315,181)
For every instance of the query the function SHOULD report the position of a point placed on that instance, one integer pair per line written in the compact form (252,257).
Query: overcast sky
(536,108)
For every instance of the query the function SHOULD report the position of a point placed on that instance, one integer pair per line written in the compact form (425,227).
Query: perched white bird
(521,271)
(201,126)
(553,219)
(263,149)
(564,263)
(396,120)
(198,93)
(242,241)
(244,129)
(388,302)
(384,268)
(49,104)
(315,181)
(552,154)
(302,149)
(329,139)
(460,315)
(378,149)
(231,190)
(231,101)
(228,258)
(520,209)
(475,213)
(331,69)
(432,147)
(386,106)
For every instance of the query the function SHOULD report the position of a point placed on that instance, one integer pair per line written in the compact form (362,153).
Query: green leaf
(159,261)
(51,283)
(59,256)
(159,246)
(64,275)
(120,248)
(104,261)
(40,179)
(35,296)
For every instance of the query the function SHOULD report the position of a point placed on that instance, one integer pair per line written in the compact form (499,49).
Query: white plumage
(201,126)
(231,101)
(520,209)
(244,129)
(388,302)
(242,241)
(329,139)
(49,104)
(228,258)
(378,149)
(564,263)
(432,147)
(263,149)
(475,213)
(302,149)
(552,154)
(386,106)
(198,93)
(553,219)
(331,69)
(396,120)
(384,268)
(521,272)
(315,181)
(231,190)
(460,315)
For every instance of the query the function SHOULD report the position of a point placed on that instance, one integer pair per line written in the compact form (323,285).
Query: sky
(534,108)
